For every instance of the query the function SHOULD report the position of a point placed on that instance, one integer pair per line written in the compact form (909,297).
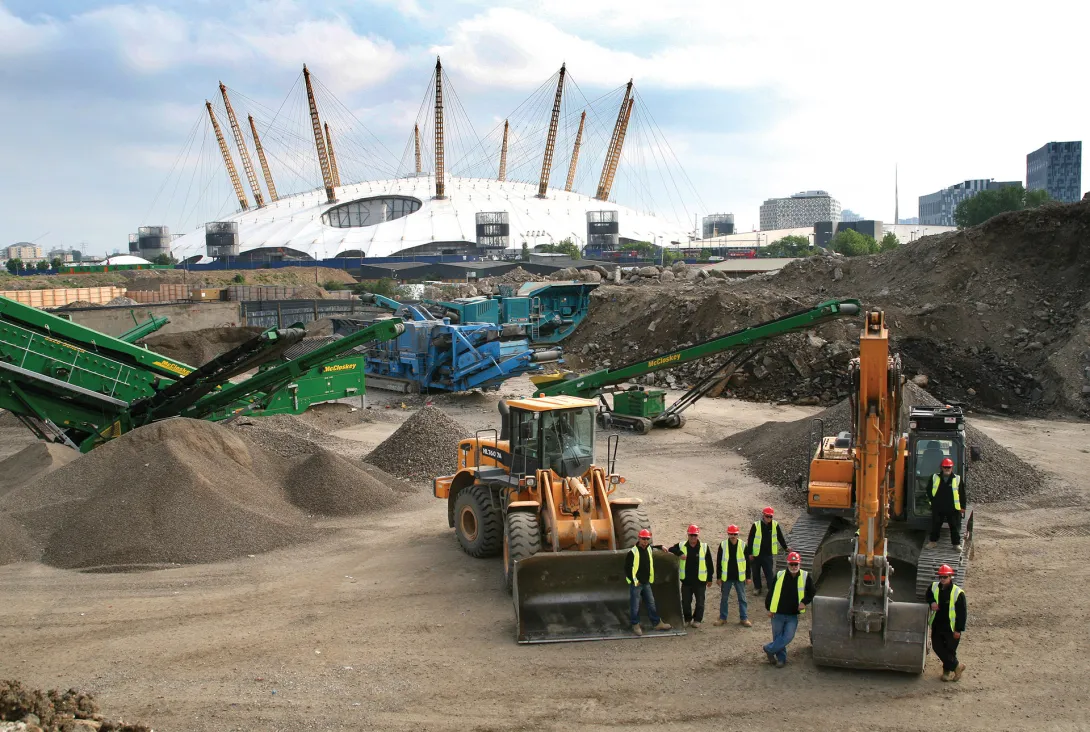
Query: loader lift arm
(740,346)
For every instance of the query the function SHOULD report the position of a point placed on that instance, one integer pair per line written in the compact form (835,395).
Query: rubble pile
(55,711)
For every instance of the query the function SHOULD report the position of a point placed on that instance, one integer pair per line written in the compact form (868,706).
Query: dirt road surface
(388,625)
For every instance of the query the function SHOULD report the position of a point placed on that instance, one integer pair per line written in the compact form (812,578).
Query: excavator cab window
(930,453)
(568,441)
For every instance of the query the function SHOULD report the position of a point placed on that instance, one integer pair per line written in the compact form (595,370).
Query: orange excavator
(869,500)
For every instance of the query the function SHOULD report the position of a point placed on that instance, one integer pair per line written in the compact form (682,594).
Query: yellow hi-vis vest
(954,483)
(757,537)
(955,593)
(739,558)
(636,566)
(703,572)
(779,586)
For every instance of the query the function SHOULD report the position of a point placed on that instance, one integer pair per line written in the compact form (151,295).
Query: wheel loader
(869,502)
(532,493)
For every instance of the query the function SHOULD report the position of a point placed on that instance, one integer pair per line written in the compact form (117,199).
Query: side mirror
(975,453)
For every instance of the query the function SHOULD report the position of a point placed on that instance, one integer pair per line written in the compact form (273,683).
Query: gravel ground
(778,453)
(422,448)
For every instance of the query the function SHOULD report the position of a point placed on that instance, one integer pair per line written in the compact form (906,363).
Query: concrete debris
(24,708)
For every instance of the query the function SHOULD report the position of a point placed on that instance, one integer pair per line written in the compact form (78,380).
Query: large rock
(667,276)
(590,275)
(648,271)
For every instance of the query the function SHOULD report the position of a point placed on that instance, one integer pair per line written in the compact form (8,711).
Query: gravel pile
(330,485)
(198,347)
(32,462)
(332,416)
(778,453)
(422,448)
(15,543)
(55,711)
(122,300)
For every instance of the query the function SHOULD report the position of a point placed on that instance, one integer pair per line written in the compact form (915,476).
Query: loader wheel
(477,522)
(627,524)
(522,539)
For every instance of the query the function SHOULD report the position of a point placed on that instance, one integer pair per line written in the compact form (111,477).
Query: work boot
(637,629)
(746,623)
(719,622)
(932,544)
(663,626)
(780,664)
(771,657)
(695,625)
(947,675)
(956,676)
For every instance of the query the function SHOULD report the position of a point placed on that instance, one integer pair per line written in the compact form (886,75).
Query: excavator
(868,500)
(532,492)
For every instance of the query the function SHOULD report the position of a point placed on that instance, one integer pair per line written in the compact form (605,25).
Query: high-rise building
(802,209)
(849,215)
(937,209)
(1056,168)
(718,225)
(25,251)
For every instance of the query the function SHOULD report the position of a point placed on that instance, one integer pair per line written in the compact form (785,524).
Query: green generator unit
(646,403)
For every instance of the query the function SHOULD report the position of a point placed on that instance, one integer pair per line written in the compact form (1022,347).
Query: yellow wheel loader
(532,493)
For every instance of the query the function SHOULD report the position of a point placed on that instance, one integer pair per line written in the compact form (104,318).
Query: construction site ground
(387,624)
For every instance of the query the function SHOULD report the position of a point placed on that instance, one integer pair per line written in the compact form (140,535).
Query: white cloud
(17,37)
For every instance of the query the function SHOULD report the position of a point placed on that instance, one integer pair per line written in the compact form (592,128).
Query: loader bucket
(903,646)
(583,596)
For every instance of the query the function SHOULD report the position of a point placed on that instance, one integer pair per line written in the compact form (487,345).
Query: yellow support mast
(332,158)
(603,188)
(240,143)
(575,152)
(265,171)
(550,141)
(440,162)
(242,202)
(416,136)
(319,140)
(503,152)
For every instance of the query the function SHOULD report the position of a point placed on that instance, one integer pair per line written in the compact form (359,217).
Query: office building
(1056,168)
(802,209)
(849,215)
(25,251)
(937,209)
(717,225)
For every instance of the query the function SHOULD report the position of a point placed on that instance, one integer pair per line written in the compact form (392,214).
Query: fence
(245,293)
(282,313)
(58,297)
(165,293)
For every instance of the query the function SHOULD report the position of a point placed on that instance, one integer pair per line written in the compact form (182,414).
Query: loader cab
(934,433)
(551,433)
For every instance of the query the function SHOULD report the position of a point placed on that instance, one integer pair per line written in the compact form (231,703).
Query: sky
(754,102)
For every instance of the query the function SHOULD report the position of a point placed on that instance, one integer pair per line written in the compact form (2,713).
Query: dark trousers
(945,646)
(953,518)
(688,592)
(763,563)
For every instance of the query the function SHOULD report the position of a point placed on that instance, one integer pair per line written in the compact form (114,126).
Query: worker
(946,505)
(787,598)
(947,619)
(695,572)
(766,541)
(639,571)
(731,575)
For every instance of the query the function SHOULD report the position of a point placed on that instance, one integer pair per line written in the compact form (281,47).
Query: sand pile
(198,347)
(309,292)
(32,462)
(422,448)
(778,453)
(181,491)
(55,711)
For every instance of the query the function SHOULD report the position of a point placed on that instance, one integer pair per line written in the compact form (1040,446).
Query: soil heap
(422,448)
(996,316)
(779,453)
(56,711)
(198,347)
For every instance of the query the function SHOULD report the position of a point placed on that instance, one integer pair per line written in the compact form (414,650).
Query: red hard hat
(768,511)
(645,533)
(946,571)
(947,463)
(793,557)
(693,529)
(732,529)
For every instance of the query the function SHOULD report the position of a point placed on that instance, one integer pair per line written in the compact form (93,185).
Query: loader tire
(478,523)
(521,539)
(627,524)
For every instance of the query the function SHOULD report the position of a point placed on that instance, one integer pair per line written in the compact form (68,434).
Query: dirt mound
(422,448)
(198,347)
(310,292)
(32,462)
(328,484)
(778,453)
(54,711)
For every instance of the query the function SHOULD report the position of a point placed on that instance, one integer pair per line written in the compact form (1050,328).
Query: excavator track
(805,537)
(944,553)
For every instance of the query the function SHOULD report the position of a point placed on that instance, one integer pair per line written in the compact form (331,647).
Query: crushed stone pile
(332,416)
(779,452)
(182,492)
(425,446)
(122,300)
(32,462)
(996,316)
(79,304)
(56,711)
(198,347)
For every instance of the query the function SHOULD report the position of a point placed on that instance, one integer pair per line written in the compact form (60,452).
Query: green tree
(669,256)
(77,255)
(564,246)
(164,259)
(525,252)
(789,246)
(239,279)
(986,204)
(889,242)
(644,249)
(56,263)
(705,254)
(14,265)
(42,266)
(851,243)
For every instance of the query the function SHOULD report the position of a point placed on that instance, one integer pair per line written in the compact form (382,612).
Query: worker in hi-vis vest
(696,571)
(946,506)
(731,575)
(639,571)
(947,618)
(787,598)
(765,542)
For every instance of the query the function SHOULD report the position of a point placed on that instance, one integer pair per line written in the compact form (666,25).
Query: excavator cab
(934,434)
(533,493)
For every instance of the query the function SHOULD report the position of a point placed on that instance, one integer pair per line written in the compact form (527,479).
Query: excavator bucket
(582,596)
(901,647)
